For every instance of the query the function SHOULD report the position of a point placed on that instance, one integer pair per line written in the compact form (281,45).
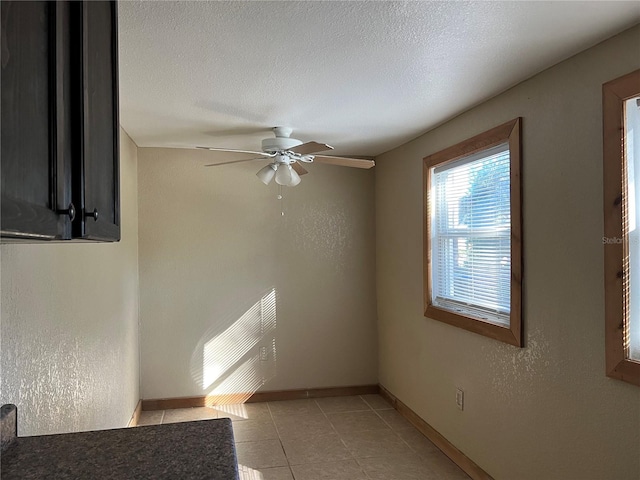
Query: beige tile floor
(334,438)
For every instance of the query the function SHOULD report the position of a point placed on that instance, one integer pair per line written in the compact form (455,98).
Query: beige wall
(69,326)
(216,256)
(546,411)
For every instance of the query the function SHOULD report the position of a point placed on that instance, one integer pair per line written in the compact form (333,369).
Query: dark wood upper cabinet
(29,163)
(60,155)
(98,192)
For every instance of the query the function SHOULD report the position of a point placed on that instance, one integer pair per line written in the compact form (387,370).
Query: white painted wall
(546,411)
(69,325)
(214,247)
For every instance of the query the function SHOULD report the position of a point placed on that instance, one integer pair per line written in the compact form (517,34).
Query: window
(621,240)
(473,258)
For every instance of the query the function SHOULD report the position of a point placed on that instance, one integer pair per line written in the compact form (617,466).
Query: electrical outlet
(460,398)
(264,356)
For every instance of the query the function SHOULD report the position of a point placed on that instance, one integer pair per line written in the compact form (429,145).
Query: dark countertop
(186,451)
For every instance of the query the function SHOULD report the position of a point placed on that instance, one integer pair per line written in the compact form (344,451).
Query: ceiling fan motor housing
(282,142)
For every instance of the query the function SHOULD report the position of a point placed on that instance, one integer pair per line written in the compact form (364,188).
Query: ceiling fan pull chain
(281,198)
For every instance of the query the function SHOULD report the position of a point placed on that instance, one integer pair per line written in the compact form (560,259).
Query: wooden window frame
(614,94)
(510,133)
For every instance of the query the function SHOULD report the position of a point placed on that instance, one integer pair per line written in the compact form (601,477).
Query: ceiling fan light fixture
(267,173)
(287,176)
(283,175)
(295,178)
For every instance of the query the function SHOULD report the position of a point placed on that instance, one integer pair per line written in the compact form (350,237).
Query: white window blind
(471,235)
(631,222)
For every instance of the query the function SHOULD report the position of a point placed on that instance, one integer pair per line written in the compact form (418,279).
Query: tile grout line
(354,457)
(391,428)
(342,440)
(337,433)
(411,449)
(394,431)
(275,426)
(325,415)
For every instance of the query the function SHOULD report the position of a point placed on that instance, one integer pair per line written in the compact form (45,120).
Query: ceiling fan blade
(264,154)
(311,147)
(235,161)
(300,170)
(344,161)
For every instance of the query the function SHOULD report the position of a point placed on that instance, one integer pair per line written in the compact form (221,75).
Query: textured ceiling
(362,76)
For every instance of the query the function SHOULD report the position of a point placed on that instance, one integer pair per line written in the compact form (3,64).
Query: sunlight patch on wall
(226,349)
(241,384)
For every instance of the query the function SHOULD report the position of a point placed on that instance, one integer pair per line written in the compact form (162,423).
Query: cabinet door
(98,170)
(35,147)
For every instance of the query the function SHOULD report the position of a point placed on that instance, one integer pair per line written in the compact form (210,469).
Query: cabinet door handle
(93,215)
(71,211)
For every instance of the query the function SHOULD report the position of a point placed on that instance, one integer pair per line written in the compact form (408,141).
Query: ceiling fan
(286,155)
